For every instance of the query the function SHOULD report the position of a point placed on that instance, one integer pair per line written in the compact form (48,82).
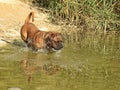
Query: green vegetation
(85,21)
(86,14)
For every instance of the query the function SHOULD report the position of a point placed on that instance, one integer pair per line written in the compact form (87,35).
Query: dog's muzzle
(58,46)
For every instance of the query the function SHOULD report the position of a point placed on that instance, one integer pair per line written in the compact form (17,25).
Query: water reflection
(90,62)
(30,68)
(95,40)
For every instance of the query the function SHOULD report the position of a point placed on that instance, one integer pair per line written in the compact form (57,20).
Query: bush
(95,14)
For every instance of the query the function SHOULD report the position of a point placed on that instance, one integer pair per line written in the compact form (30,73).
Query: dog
(38,39)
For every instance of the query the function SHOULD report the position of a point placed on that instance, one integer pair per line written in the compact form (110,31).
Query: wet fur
(37,39)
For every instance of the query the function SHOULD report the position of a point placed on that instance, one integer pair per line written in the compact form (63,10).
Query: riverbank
(12,17)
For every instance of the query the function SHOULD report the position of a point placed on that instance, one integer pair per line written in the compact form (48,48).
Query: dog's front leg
(29,42)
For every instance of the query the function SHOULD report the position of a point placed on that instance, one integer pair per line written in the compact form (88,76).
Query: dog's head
(54,40)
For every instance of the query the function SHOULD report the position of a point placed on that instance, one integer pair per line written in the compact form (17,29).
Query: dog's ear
(48,35)
(48,43)
(47,40)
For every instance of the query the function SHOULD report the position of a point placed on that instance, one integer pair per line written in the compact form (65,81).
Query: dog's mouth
(58,46)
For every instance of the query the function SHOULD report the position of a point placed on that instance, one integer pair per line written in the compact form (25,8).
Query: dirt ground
(12,17)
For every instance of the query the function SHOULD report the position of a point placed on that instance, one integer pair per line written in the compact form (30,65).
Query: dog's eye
(59,41)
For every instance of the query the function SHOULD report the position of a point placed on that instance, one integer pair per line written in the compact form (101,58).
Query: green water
(75,67)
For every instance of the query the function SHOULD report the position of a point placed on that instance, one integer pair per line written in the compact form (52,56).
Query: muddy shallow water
(75,67)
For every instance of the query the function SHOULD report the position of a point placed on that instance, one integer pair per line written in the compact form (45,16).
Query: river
(86,64)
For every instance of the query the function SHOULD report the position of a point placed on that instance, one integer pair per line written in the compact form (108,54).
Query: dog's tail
(29,17)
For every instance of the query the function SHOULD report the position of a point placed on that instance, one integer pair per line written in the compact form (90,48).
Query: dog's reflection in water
(29,68)
(51,68)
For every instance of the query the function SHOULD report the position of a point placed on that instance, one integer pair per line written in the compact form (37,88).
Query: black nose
(59,46)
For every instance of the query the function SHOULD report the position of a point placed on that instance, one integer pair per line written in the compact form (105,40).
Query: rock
(14,88)
(2,43)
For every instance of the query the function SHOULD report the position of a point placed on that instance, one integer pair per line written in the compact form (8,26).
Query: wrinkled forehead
(58,37)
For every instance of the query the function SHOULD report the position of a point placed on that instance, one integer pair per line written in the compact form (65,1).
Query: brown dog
(37,39)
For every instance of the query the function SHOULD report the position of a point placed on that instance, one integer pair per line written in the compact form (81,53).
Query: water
(78,66)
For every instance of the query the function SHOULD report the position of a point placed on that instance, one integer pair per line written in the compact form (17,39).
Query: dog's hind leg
(23,34)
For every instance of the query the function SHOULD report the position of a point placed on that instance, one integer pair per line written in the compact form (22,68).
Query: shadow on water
(87,62)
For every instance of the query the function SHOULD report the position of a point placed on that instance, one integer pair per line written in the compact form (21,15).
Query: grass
(93,18)
(100,14)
